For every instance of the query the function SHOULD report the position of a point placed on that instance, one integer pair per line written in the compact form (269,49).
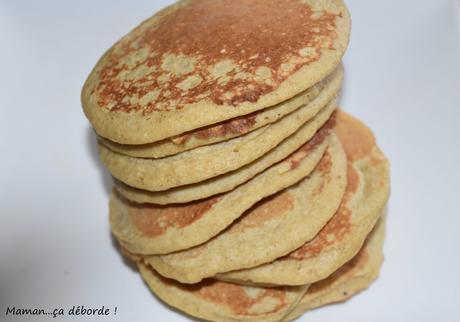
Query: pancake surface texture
(227,129)
(154,229)
(296,213)
(341,238)
(220,301)
(177,71)
(231,180)
(353,277)
(212,160)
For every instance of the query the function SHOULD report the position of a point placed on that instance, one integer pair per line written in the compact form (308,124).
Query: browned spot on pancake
(256,37)
(356,138)
(324,169)
(325,165)
(336,228)
(234,126)
(352,180)
(239,301)
(183,138)
(346,271)
(269,208)
(333,232)
(316,140)
(295,161)
(155,220)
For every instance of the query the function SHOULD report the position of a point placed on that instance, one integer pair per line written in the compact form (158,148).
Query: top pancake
(231,128)
(177,71)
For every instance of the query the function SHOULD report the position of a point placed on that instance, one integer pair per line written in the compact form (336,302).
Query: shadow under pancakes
(105,177)
(126,261)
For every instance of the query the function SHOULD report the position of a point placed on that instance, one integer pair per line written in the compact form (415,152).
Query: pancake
(231,180)
(155,229)
(219,301)
(212,160)
(341,238)
(224,130)
(177,72)
(296,213)
(353,277)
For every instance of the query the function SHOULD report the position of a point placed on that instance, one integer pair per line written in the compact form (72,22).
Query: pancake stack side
(241,191)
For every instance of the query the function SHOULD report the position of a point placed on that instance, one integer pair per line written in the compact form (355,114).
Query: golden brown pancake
(177,72)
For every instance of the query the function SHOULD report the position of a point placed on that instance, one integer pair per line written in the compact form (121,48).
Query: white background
(403,79)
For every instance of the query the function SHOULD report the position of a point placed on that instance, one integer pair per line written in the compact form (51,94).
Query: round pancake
(155,229)
(231,180)
(220,301)
(225,130)
(212,160)
(341,238)
(296,214)
(353,277)
(177,72)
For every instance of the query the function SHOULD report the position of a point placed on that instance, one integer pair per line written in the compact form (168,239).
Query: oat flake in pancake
(212,160)
(353,277)
(341,238)
(155,229)
(228,129)
(177,71)
(296,213)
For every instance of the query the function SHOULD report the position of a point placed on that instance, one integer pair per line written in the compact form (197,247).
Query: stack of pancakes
(241,191)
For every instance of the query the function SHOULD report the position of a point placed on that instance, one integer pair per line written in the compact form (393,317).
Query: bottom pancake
(220,301)
(224,301)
